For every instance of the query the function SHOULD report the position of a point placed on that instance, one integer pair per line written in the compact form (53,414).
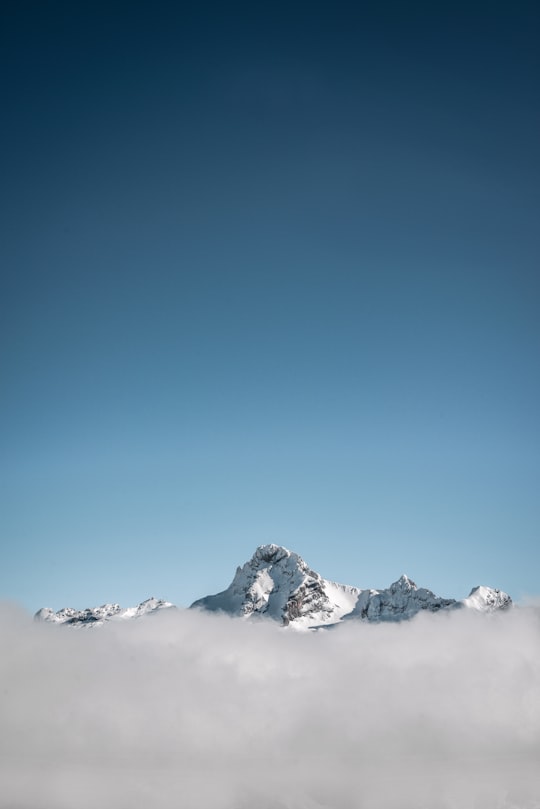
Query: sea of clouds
(195,711)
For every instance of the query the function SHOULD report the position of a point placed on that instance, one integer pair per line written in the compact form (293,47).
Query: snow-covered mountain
(96,616)
(277,583)
(487,598)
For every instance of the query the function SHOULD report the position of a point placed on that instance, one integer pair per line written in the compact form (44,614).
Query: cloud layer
(183,709)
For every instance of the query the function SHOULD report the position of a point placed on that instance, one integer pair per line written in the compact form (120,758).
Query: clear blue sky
(270,273)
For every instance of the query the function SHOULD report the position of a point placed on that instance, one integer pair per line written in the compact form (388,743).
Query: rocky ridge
(277,583)
(96,616)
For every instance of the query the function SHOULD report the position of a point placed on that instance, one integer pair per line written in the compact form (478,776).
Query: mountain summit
(277,583)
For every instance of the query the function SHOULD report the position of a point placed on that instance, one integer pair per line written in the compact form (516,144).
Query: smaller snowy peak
(46,614)
(403,585)
(151,604)
(97,616)
(145,607)
(402,600)
(487,599)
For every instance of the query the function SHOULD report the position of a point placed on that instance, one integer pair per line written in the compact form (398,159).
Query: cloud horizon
(182,708)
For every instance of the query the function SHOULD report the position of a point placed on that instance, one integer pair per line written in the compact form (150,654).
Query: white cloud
(196,711)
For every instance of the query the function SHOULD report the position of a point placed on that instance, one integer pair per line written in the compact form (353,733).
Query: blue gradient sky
(268,274)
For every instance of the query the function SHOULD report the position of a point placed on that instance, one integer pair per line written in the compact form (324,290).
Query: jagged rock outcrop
(96,616)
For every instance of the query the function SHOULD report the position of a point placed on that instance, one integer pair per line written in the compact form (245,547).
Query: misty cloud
(184,709)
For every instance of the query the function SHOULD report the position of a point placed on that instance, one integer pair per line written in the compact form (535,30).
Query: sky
(190,709)
(269,273)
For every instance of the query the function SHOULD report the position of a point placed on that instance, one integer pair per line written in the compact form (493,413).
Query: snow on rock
(96,616)
(401,600)
(487,599)
(277,583)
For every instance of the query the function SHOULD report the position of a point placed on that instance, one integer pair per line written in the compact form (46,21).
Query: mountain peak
(487,599)
(270,554)
(403,583)
(277,583)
